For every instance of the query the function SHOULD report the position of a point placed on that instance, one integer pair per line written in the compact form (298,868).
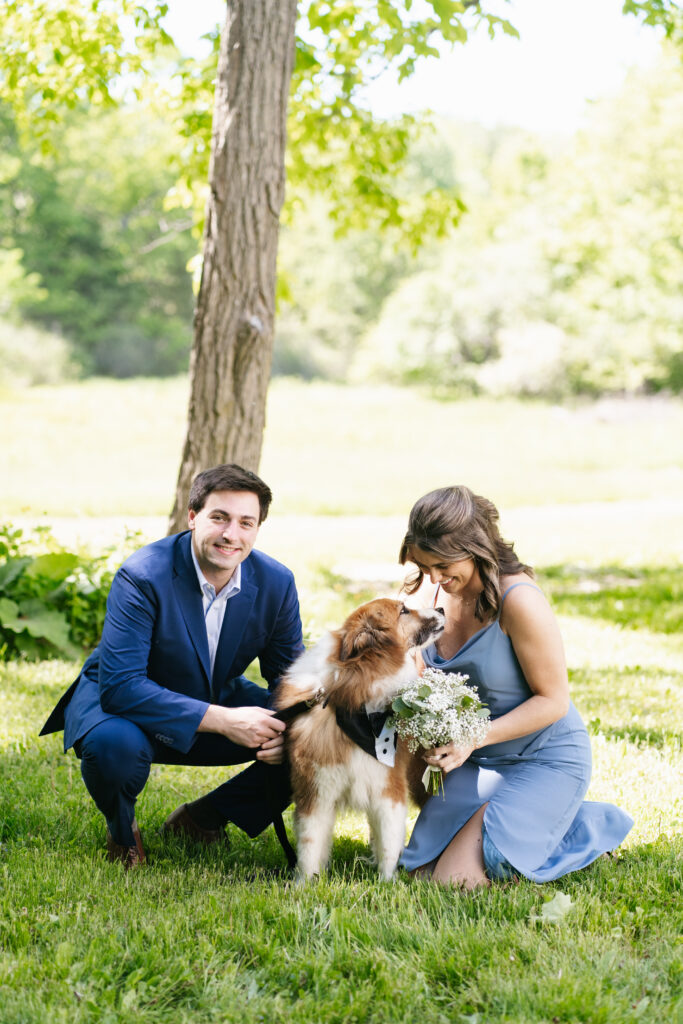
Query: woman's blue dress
(534,785)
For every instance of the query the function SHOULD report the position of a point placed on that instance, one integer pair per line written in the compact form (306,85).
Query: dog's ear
(357,640)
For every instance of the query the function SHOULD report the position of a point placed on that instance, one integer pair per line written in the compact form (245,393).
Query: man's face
(224,532)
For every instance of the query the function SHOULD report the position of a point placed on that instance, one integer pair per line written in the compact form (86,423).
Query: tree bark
(234,320)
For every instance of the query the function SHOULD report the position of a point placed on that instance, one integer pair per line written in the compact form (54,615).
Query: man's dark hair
(229,477)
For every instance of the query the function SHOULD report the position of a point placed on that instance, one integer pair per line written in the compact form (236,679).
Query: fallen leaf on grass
(554,910)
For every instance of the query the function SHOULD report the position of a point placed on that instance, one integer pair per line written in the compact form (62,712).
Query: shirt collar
(232,586)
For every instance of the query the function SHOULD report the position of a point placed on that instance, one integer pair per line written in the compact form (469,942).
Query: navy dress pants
(116,757)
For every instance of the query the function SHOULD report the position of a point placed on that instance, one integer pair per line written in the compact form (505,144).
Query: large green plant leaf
(43,624)
(53,567)
(9,610)
(11,570)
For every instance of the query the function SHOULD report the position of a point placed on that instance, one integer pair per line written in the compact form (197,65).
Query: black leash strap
(300,708)
(286,715)
(289,851)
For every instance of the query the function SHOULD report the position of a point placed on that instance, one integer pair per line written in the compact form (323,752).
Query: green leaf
(30,649)
(555,910)
(9,610)
(425,690)
(305,58)
(40,623)
(53,567)
(509,29)
(446,9)
(399,707)
(11,570)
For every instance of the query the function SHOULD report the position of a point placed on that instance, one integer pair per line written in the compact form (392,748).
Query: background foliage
(562,277)
(107,262)
(52,599)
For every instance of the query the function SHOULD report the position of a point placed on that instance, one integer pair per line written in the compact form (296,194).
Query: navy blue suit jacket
(152,664)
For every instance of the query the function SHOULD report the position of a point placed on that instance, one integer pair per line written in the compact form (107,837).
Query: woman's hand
(416,655)
(449,757)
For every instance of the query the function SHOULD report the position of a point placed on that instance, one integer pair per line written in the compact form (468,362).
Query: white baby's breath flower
(439,708)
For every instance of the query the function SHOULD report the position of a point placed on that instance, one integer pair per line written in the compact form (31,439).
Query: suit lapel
(189,597)
(237,614)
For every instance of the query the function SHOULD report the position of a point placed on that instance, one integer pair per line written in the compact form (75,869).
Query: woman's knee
(462,862)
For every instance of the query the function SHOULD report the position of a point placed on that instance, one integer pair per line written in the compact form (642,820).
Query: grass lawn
(217,935)
(213,935)
(110,448)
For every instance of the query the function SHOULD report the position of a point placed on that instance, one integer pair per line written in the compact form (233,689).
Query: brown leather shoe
(181,823)
(130,856)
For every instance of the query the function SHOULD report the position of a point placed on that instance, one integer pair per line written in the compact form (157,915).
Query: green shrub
(52,600)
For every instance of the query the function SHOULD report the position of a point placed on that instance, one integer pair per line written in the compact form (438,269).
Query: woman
(514,805)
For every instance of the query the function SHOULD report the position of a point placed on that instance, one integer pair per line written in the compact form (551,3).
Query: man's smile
(224,533)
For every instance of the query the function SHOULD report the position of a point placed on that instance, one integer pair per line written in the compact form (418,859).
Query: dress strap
(436,594)
(512,586)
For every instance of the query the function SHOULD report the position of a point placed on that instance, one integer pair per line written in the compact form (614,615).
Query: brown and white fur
(364,663)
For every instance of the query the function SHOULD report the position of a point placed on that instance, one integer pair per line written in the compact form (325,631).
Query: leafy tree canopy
(58,54)
(63,54)
(90,250)
(566,278)
(112,61)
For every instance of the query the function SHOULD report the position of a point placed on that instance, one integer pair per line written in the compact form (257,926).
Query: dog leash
(287,715)
(362,728)
(281,833)
(300,708)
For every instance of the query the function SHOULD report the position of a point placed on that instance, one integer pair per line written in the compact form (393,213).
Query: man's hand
(272,751)
(249,727)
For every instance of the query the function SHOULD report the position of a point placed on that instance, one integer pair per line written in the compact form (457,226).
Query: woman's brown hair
(453,523)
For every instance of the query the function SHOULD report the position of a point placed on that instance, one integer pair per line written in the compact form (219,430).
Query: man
(185,617)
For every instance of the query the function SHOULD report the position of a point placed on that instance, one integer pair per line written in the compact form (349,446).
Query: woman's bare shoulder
(521,604)
(519,577)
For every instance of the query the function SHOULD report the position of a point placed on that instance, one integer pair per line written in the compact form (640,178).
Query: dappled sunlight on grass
(644,780)
(635,703)
(595,645)
(634,597)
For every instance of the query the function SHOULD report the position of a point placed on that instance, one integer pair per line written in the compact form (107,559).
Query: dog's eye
(404,610)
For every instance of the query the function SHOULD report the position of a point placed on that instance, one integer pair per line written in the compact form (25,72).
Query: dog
(353,671)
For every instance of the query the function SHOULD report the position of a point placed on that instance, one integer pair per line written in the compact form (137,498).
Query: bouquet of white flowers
(439,708)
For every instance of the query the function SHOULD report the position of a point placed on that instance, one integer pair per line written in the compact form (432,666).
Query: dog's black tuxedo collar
(362,727)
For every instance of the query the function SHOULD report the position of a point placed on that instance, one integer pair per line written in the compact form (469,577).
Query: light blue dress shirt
(214,604)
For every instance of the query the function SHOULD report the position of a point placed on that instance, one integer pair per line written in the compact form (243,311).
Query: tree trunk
(234,320)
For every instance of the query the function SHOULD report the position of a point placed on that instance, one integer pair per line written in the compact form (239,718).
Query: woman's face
(455,578)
